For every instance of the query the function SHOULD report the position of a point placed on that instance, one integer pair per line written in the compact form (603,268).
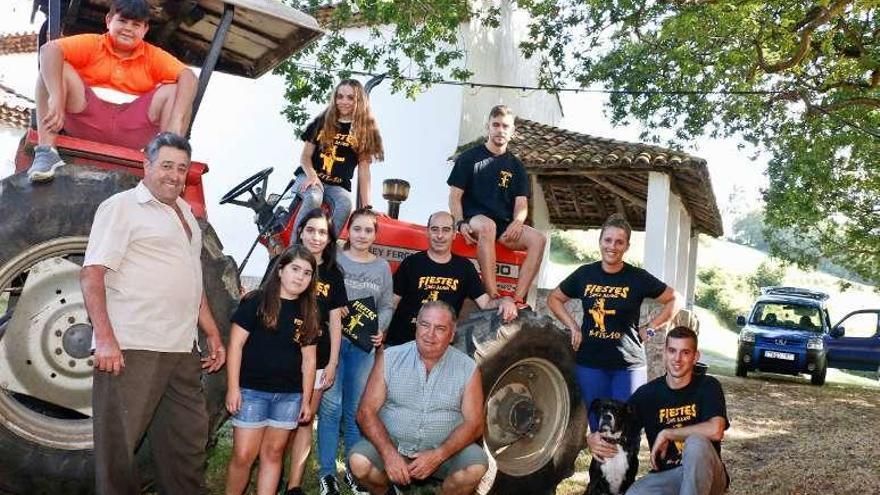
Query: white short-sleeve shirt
(154,276)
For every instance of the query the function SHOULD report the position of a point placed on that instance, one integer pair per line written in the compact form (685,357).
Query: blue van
(789,331)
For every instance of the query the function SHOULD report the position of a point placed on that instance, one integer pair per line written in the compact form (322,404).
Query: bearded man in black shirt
(437,274)
(489,199)
(684,416)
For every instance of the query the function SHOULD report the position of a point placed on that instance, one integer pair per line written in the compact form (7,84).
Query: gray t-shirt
(372,278)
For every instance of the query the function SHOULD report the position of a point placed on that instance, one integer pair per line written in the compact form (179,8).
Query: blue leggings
(597,383)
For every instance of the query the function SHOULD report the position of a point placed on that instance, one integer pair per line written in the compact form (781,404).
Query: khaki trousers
(157,396)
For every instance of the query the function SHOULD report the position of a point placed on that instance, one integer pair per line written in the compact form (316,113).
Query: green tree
(800,79)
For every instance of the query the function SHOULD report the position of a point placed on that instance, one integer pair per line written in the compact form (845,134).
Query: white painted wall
(494,57)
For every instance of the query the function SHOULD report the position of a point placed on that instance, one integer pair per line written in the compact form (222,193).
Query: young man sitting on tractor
(489,198)
(121,60)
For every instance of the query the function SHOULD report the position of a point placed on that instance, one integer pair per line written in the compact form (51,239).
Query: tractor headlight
(747,336)
(816,343)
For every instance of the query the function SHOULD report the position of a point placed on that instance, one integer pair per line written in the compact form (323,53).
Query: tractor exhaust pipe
(395,191)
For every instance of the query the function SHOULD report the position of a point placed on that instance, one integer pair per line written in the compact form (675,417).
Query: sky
(729,166)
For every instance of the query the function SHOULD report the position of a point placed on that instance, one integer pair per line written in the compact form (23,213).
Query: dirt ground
(788,437)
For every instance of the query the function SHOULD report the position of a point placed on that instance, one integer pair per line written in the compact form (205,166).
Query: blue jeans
(336,197)
(597,383)
(339,404)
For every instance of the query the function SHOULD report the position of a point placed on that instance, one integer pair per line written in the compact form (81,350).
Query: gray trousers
(157,396)
(701,473)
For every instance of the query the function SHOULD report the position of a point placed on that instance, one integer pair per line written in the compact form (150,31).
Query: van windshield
(788,315)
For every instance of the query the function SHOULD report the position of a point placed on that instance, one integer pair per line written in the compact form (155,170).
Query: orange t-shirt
(92,56)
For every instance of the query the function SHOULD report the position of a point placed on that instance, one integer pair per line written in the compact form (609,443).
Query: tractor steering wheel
(247,186)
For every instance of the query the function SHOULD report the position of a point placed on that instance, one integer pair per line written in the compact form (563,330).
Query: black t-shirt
(420,279)
(611,303)
(334,164)
(659,407)
(491,183)
(331,295)
(271,360)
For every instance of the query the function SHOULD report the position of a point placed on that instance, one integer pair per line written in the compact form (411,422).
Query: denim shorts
(276,409)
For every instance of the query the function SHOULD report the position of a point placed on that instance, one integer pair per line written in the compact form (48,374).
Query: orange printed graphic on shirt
(504,179)
(606,291)
(329,156)
(677,417)
(297,332)
(322,289)
(432,296)
(598,313)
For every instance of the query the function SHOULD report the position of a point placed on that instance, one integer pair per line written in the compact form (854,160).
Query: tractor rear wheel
(535,420)
(45,334)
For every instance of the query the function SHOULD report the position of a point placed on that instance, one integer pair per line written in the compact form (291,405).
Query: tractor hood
(262,35)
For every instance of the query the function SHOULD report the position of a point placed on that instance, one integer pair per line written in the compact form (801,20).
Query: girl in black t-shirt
(343,137)
(315,233)
(271,368)
(610,357)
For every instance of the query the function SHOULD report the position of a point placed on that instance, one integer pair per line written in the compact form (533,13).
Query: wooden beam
(620,207)
(585,173)
(555,201)
(634,200)
(594,191)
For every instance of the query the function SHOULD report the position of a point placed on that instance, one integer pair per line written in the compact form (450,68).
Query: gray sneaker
(46,161)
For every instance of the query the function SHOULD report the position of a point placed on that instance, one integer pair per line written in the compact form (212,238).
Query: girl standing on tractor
(343,137)
(271,369)
(315,233)
(366,276)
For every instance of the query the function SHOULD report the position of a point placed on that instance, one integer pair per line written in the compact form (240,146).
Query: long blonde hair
(364,130)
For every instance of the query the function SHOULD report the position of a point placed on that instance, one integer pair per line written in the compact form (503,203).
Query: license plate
(787,356)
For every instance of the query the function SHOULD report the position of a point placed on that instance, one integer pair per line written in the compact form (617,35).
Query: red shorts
(126,124)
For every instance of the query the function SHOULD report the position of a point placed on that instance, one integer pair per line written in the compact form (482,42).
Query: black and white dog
(616,425)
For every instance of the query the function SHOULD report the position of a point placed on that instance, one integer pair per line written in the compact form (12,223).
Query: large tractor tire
(46,443)
(536,422)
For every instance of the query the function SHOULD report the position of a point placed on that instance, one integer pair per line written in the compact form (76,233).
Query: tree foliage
(799,79)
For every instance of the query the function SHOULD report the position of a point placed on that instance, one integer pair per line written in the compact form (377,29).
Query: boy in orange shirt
(120,60)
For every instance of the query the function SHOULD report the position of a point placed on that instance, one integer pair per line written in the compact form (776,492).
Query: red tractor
(535,420)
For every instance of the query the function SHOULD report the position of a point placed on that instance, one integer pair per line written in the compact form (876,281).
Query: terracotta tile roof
(18,43)
(15,109)
(586,178)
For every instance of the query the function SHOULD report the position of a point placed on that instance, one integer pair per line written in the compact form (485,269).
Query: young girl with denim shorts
(271,369)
